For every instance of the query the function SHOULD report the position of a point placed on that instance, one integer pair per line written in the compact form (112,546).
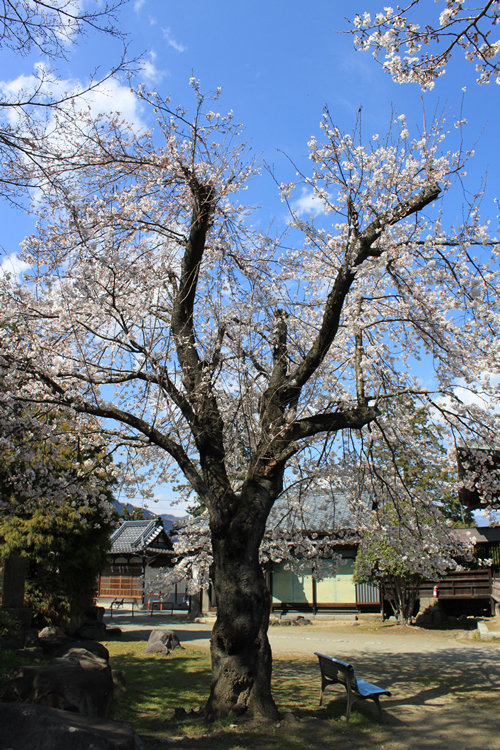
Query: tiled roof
(134,537)
(479,534)
(315,512)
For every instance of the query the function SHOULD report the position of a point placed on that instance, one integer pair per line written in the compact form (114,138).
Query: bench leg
(351,700)
(379,708)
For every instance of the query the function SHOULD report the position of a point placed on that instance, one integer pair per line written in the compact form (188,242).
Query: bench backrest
(337,670)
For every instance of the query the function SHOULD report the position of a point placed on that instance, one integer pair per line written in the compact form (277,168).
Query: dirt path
(445,687)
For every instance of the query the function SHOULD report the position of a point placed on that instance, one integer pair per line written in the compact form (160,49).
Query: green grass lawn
(157,685)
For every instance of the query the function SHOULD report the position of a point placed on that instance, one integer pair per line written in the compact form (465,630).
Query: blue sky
(278,63)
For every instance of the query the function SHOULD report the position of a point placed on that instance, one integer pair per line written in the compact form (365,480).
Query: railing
(366,593)
(495,589)
(118,604)
(119,587)
(468,584)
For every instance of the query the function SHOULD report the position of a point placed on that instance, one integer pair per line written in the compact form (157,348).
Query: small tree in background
(402,550)
(131,513)
(412,507)
(407,450)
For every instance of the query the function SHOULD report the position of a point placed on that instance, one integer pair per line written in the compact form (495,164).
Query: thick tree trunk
(241,654)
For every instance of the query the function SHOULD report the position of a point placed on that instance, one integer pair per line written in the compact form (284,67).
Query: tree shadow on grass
(157,685)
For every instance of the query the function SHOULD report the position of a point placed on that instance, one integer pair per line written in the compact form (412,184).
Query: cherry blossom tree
(400,551)
(239,362)
(396,35)
(48,28)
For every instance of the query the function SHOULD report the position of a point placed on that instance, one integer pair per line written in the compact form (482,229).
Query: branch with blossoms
(460,26)
(49,458)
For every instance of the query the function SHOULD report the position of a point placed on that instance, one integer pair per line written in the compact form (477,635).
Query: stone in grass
(162,642)
(94,647)
(52,631)
(51,639)
(119,684)
(113,633)
(289,718)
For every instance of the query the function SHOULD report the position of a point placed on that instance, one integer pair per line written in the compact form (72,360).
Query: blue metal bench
(334,672)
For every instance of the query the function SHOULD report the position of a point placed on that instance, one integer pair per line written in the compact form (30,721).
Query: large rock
(79,682)
(28,727)
(52,638)
(92,630)
(162,642)
(432,615)
(52,631)
(93,646)
(113,633)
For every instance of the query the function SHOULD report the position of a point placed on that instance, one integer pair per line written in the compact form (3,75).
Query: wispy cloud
(308,204)
(172,42)
(138,5)
(150,72)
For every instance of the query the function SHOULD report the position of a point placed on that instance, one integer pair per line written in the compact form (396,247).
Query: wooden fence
(467,584)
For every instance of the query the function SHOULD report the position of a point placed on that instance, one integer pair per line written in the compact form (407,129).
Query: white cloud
(477,395)
(13,265)
(112,96)
(109,96)
(138,5)
(150,72)
(308,204)
(481,394)
(171,41)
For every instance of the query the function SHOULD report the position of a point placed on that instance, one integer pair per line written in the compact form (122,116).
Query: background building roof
(136,537)
(314,512)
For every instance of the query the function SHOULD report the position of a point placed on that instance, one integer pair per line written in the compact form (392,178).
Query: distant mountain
(168,519)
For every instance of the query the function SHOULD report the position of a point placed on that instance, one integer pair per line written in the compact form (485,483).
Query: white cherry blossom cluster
(395,35)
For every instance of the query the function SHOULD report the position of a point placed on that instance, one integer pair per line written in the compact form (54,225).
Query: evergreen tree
(131,513)
(66,549)
(63,528)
